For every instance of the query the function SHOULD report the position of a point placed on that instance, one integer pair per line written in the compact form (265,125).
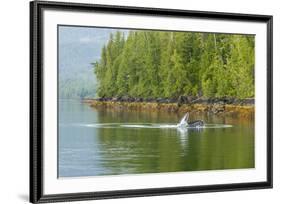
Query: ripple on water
(144,125)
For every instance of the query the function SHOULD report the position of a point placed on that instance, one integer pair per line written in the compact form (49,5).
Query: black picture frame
(36,102)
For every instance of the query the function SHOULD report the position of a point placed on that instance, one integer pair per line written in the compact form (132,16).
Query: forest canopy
(157,64)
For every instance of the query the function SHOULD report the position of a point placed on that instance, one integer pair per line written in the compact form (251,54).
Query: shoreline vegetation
(158,64)
(218,106)
(177,72)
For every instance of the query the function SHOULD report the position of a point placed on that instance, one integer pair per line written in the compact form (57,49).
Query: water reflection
(106,142)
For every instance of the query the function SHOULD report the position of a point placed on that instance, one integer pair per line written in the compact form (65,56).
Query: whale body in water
(185,123)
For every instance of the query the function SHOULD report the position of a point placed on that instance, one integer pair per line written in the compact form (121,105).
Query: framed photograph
(131,101)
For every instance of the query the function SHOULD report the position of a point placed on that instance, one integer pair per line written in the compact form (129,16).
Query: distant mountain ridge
(78,48)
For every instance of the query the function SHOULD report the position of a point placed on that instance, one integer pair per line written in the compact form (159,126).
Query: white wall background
(14,100)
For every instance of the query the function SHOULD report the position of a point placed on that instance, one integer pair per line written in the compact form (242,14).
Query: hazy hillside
(78,48)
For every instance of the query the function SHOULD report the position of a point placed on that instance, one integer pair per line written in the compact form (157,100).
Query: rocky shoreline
(244,107)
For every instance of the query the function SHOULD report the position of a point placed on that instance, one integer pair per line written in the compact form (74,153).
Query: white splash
(183,122)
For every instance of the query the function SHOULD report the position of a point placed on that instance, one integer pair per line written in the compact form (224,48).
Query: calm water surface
(106,142)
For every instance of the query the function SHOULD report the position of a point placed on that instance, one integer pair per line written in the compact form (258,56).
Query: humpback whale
(185,123)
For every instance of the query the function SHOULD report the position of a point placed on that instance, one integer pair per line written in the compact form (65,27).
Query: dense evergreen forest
(157,64)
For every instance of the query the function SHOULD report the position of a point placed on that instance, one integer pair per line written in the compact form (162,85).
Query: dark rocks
(248,101)
(183,100)
(103,99)
(172,100)
(228,100)
(161,100)
(139,100)
(200,101)
(124,98)
(149,100)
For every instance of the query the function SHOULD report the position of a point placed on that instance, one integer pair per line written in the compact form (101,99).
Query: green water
(108,142)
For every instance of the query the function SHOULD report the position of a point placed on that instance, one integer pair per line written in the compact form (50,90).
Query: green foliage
(153,64)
